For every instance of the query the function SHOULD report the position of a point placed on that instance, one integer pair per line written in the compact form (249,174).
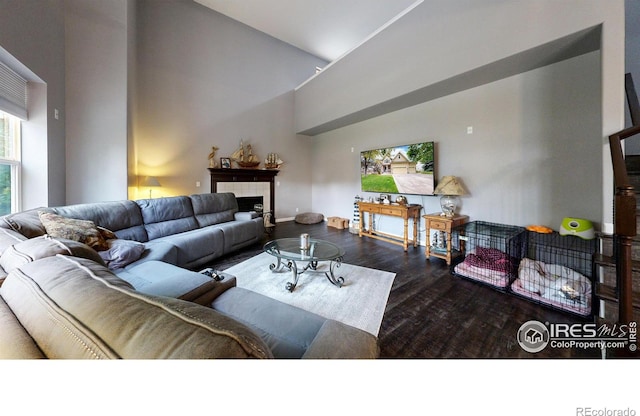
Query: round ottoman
(309,218)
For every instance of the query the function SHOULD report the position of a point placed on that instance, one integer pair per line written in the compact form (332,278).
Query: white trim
(607,228)
(15,162)
(285,219)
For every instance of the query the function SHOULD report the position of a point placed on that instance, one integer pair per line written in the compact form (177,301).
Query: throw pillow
(121,253)
(77,230)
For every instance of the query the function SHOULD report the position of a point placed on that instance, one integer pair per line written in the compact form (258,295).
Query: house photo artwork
(407,169)
(225,163)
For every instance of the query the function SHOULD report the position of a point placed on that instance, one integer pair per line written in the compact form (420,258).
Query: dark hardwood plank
(431,313)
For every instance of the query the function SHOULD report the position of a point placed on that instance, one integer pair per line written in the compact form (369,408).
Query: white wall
(205,80)
(96,100)
(533,157)
(441,39)
(33,34)
(441,44)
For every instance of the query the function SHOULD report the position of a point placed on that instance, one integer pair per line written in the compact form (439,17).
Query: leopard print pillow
(73,229)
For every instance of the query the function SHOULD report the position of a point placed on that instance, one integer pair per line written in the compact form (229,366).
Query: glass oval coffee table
(289,253)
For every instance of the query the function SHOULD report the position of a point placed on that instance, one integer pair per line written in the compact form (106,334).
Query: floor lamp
(150,182)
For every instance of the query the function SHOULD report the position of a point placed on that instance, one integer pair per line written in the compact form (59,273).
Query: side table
(444,224)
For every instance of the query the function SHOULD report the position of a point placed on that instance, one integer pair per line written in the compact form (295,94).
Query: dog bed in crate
(557,271)
(492,252)
(554,285)
(487,265)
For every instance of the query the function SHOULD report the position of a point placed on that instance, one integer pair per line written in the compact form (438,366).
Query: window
(9,163)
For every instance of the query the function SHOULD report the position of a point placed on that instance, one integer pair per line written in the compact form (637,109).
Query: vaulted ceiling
(325,28)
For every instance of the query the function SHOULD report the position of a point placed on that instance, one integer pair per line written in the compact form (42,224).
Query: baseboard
(285,219)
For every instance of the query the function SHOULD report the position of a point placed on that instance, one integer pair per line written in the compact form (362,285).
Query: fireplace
(247,183)
(247,203)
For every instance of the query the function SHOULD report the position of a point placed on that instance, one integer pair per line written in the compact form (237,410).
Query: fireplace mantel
(246,175)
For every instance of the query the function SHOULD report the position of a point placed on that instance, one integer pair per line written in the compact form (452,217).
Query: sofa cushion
(336,339)
(239,233)
(15,342)
(122,217)
(214,208)
(167,216)
(75,308)
(121,253)
(162,279)
(36,248)
(8,238)
(287,330)
(83,231)
(196,246)
(26,223)
(158,250)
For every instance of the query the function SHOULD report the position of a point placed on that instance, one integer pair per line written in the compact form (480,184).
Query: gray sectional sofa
(187,231)
(157,242)
(65,306)
(58,298)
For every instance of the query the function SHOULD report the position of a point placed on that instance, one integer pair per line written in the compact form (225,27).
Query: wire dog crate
(491,252)
(557,271)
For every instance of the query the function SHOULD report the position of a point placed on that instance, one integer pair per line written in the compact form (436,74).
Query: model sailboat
(244,157)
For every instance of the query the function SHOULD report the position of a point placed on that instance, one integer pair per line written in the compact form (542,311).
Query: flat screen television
(404,170)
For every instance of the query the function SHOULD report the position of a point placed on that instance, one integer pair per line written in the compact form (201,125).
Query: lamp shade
(449,185)
(150,181)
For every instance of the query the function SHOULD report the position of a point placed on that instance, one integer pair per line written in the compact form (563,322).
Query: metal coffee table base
(311,266)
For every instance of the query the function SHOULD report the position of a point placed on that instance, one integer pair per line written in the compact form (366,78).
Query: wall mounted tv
(407,169)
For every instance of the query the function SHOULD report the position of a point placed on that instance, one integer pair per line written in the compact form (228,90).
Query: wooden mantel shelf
(242,175)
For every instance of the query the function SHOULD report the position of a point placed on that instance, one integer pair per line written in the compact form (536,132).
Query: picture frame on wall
(225,163)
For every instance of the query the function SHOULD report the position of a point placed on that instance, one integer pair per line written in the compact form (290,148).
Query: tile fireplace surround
(245,183)
(244,189)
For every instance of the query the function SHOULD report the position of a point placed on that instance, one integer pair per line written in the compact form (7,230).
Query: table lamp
(450,188)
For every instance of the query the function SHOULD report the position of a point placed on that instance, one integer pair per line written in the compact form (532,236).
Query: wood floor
(431,313)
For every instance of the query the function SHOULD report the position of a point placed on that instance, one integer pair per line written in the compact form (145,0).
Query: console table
(246,175)
(394,210)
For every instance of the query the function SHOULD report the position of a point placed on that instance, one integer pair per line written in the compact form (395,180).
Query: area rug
(360,302)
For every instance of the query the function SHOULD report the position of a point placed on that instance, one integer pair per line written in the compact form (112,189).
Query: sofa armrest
(246,216)
(15,341)
(162,251)
(209,291)
(338,340)
(163,279)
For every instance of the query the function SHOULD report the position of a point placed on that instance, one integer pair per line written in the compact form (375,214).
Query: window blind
(13,92)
